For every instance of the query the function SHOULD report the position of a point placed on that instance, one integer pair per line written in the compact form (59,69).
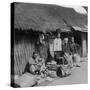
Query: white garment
(57,44)
(51,48)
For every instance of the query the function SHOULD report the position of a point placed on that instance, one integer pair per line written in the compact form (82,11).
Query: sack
(63,71)
(77,59)
(26,80)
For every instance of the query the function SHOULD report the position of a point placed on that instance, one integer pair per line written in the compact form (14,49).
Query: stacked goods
(52,69)
(51,65)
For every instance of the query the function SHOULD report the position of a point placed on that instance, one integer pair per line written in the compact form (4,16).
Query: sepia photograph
(49,44)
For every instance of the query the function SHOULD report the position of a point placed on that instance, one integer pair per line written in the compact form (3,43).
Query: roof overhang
(80,29)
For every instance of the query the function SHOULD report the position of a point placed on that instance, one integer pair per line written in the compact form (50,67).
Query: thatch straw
(46,17)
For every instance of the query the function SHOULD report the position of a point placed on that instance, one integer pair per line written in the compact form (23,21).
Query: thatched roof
(46,17)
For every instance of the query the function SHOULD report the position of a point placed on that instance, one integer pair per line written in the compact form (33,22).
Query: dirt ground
(79,75)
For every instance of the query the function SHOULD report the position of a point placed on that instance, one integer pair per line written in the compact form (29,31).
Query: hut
(28,21)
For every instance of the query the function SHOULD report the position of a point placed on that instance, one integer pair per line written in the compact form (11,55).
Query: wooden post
(84,45)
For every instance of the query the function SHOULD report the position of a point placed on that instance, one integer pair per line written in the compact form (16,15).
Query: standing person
(66,46)
(74,51)
(42,46)
(57,46)
(72,46)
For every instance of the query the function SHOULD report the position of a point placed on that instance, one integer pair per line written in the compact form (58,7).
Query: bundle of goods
(63,71)
(26,80)
(51,66)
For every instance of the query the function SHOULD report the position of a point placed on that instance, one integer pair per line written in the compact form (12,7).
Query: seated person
(68,58)
(36,63)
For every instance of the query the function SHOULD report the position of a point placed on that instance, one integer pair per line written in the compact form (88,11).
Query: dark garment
(43,51)
(74,48)
(66,48)
(57,55)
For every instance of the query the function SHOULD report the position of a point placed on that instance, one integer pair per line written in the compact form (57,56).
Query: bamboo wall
(24,46)
(22,52)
